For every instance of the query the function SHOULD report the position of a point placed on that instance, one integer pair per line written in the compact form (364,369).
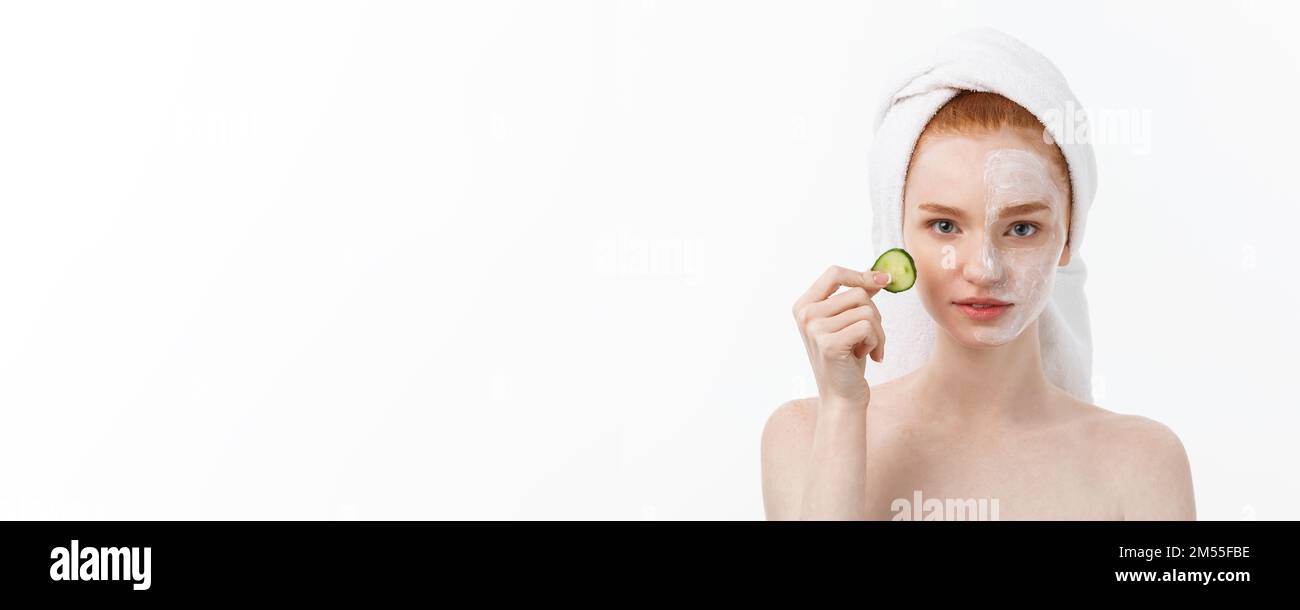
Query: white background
(535,260)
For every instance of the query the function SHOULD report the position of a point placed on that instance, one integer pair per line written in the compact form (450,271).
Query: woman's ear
(1065,255)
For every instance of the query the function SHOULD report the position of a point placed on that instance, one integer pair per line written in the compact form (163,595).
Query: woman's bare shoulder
(789,424)
(1144,459)
(784,449)
(1116,431)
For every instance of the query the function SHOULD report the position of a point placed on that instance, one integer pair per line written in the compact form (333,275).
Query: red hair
(971,112)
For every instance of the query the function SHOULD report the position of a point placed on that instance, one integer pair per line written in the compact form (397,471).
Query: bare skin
(980,419)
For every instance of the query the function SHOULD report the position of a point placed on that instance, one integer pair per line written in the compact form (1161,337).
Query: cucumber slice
(900,267)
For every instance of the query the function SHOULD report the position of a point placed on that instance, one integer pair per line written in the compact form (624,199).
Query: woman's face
(985,219)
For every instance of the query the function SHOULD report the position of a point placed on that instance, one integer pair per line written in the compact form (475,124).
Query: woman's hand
(839,331)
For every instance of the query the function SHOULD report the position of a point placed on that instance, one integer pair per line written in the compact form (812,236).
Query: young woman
(986,214)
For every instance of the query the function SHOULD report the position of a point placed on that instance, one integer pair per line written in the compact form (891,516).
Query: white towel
(987,60)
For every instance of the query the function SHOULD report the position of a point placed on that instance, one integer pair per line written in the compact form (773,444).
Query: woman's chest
(919,477)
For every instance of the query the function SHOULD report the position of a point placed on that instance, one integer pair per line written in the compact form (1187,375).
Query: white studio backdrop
(535,260)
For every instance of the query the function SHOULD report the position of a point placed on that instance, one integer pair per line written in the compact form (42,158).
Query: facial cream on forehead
(1015,176)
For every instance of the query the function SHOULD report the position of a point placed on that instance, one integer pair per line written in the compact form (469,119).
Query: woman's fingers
(833,313)
(877,352)
(843,320)
(842,302)
(838,330)
(857,338)
(837,276)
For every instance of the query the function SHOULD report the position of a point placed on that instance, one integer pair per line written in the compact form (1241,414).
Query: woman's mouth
(982,309)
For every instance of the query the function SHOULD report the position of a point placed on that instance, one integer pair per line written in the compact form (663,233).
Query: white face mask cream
(1018,260)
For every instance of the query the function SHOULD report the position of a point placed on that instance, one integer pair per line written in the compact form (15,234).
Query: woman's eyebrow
(941,209)
(1022,209)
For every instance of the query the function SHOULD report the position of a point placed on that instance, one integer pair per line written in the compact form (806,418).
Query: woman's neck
(965,385)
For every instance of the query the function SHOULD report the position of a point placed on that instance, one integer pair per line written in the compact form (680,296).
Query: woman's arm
(814,465)
(787,439)
(818,471)
(836,486)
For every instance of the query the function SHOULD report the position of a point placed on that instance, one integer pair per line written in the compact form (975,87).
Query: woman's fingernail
(881,277)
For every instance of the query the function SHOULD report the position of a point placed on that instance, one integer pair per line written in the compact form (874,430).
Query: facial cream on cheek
(1020,275)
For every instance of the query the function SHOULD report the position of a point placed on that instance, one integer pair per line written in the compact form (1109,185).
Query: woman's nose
(983,265)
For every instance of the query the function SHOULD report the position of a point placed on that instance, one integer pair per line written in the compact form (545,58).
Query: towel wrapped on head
(985,60)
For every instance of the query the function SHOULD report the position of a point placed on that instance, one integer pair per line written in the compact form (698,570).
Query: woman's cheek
(1033,267)
(926,251)
(1033,272)
(941,261)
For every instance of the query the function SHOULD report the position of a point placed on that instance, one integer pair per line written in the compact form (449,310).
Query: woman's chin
(976,335)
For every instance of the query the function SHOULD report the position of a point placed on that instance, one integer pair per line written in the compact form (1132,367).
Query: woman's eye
(1023,229)
(944,226)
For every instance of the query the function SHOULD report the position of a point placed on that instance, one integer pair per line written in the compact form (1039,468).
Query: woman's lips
(989,312)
